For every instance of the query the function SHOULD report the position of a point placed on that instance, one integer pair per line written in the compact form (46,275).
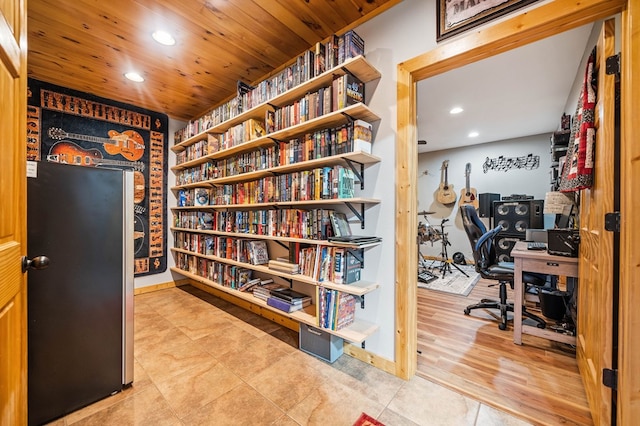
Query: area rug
(366,420)
(453,282)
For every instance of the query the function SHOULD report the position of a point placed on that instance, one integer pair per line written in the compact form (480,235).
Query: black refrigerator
(80,307)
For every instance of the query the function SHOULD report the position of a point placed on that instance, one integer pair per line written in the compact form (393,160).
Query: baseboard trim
(371,359)
(161,286)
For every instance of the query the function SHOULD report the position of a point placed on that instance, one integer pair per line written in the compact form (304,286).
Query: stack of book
(288,300)
(281,265)
(263,291)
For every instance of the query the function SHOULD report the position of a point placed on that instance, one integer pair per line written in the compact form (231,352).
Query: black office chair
(488,267)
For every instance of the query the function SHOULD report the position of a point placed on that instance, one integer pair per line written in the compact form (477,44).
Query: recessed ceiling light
(163,37)
(473,134)
(456,110)
(134,76)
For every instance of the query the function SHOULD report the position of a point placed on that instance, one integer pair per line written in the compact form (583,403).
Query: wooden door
(13,312)
(596,262)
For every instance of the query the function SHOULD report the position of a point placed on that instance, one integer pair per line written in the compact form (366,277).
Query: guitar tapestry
(72,127)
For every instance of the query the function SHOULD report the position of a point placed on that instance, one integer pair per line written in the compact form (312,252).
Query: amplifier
(563,242)
(485,203)
(518,216)
(319,343)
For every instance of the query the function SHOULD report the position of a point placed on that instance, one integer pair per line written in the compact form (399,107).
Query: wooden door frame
(526,27)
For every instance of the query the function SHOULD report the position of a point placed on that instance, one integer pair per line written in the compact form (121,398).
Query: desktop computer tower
(515,216)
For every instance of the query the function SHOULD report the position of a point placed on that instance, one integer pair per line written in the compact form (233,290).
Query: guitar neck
(95,139)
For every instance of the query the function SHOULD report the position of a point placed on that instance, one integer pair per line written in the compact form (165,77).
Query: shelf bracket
(359,214)
(358,254)
(346,71)
(350,118)
(361,300)
(359,173)
(362,344)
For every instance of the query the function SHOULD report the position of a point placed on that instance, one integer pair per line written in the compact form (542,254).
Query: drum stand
(445,264)
(423,270)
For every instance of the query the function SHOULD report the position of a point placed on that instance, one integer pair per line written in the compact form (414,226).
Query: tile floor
(202,361)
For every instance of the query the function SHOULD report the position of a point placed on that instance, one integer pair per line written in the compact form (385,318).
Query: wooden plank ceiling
(88,45)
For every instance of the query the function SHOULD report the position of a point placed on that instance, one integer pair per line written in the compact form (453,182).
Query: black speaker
(485,203)
(503,245)
(518,216)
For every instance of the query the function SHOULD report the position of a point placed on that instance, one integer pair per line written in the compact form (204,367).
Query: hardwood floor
(538,381)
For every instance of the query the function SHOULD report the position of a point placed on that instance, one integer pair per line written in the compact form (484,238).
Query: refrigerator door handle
(38,262)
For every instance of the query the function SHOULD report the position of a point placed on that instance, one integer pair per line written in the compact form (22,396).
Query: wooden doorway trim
(529,26)
(629,292)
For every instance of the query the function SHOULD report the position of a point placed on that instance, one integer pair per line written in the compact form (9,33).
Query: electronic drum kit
(427,233)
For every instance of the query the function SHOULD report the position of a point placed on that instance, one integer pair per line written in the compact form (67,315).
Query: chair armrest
(489,234)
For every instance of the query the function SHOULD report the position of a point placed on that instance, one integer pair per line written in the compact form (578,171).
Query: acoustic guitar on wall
(468,195)
(445,193)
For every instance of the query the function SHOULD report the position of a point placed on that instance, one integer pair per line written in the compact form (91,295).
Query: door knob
(38,262)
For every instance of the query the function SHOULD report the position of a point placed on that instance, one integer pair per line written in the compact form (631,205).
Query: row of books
(321,263)
(324,183)
(345,90)
(310,64)
(261,159)
(314,224)
(352,137)
(244,132)
(231,276)
(335,309)
(355,136)
(238,249)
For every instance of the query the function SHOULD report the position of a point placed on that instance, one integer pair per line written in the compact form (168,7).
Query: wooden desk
(542,262)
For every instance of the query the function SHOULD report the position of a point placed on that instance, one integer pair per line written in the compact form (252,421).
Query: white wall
(401,33)
(534,182)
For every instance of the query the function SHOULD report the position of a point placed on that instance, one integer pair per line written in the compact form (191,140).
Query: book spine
(279,304)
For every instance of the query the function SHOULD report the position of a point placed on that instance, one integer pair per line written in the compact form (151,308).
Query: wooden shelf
(275,238)
(359,288)
(357,66)
(355,333)
(332,119)
(254,206)
(357,157)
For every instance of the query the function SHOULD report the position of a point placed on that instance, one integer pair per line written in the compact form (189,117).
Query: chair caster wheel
(502,326)
(466,311)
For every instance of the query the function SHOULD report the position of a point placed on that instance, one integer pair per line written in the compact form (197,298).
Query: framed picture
(456,16)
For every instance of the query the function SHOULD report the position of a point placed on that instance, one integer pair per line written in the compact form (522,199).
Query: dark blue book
(282,305)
